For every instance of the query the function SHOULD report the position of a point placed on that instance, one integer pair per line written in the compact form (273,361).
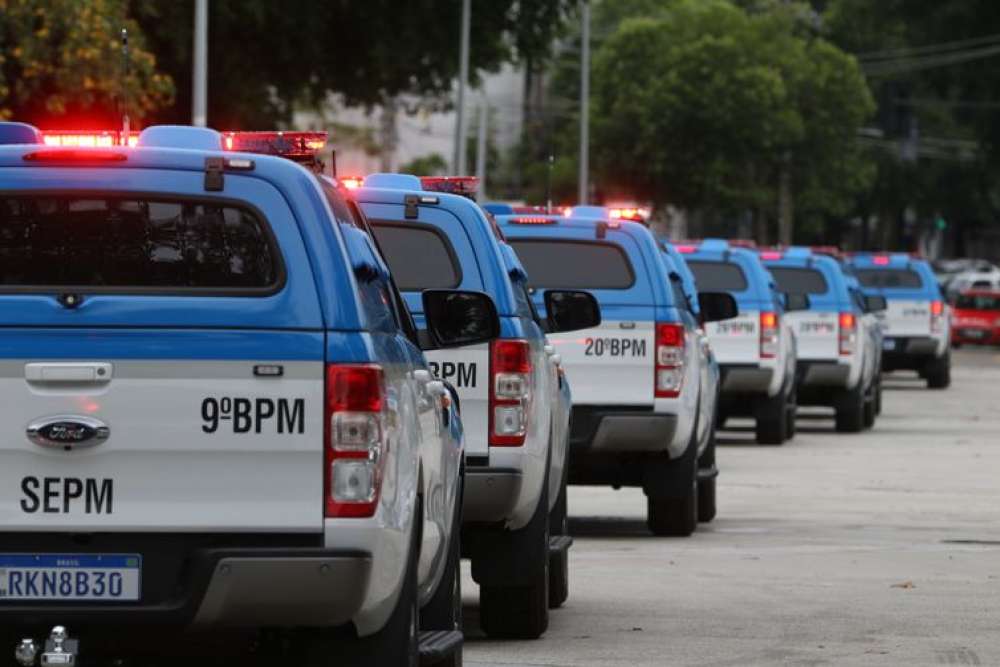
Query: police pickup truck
(917,319)
(638,382)
(513,405)
(217,414)
(838,353)
(757,350)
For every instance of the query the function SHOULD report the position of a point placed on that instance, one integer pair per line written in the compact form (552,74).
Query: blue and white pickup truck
(217,411)
(513,397)
(917,319)
(638,382)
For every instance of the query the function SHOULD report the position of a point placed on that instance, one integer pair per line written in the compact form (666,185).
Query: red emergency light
(351,182)
(466,186)
(686,249)
(532,220)
(771,255)
(880,260)
(292,145)
(634,214)
(89,138)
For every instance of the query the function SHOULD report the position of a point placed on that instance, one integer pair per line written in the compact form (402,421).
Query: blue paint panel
(157,344)
(837,294)
(760,291)
(930,290)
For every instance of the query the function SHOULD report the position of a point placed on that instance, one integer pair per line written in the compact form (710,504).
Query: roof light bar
(532,220)
(297,146)
(351,182)
(457,185)
(880,260)
(89,138)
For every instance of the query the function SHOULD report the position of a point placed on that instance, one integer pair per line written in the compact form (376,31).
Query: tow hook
(60,650)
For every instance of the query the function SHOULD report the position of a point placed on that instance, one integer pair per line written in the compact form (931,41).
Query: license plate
(888,344)
(89,577)
(973,333)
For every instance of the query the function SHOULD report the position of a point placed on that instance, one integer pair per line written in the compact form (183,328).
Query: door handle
(68,372)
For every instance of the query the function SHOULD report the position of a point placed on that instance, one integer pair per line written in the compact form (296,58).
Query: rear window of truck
(574,264)
(799,281)
(134,245)
(718,276)
(419,256)
(889,278)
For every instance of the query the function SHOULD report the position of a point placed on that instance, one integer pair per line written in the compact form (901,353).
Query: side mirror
(796,302)
(717,306)
(456,318)
(875,303)
(570,310)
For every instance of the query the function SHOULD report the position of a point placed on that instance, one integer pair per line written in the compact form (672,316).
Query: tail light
(848,333)
(510,392)
(768,335)
(937,316)
(669,360)
(357,439)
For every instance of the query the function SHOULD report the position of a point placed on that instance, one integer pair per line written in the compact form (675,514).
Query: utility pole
(388,135)
(199,92)
(584,185)
(463,77)
(481,147)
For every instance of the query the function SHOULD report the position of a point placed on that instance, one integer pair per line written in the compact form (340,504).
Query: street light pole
(199,92)
(584,185)
(463,77)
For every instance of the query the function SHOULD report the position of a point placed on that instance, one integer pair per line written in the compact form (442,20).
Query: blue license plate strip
(71,577)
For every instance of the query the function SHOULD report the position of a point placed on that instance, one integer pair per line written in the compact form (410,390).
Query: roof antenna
(125,121)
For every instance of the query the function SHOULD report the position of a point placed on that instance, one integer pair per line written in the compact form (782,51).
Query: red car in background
(976,318)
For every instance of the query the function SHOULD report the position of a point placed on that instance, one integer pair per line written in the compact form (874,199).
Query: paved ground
(878,549)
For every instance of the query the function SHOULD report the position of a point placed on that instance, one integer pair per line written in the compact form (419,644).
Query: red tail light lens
(62,155)
(669,371)
(768,335)
(357,439)
(937,316)
(510,392)
(848,333)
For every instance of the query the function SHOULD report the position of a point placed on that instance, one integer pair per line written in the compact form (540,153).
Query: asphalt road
(873,549)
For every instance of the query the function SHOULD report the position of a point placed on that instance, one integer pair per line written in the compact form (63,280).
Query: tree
(705,106)
(266,57)
(61,63)
(432,164)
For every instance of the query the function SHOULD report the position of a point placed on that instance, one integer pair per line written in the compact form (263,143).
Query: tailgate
(907,317)
(817,334)
(610,364)
(736,341)
(467,369)
(112,444)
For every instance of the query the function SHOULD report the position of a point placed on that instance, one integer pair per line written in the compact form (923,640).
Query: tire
(938,373)
(772,419)
(870,409)
(444,610)
(559,562)
(522,612)
(850,411)
(673,517)
(707,487)
(791,412)
(395,645)
(878,396)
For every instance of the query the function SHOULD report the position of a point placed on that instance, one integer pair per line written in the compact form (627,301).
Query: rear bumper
(912,353)
(620,430)
(491,494)
(822,374)
(187,583)
(738,379)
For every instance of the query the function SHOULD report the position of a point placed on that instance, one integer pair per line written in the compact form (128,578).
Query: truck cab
(757,350)
(510,390)
(637,378)
(837,351)
(218,412)
(917,318)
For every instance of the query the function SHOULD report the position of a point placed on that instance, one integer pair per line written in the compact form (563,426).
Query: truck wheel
(772,419)
(850,411)
(521,611)
(673,517)
(791,412)
(444,611)
(938,373)
(870,409)
(878,396)
(559,561)
(707,487)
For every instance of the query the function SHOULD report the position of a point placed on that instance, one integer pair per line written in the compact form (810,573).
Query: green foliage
(266,56)
(700,105)
(60,62)
(432,164)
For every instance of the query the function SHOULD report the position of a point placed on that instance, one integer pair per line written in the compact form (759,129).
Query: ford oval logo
(68,432)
